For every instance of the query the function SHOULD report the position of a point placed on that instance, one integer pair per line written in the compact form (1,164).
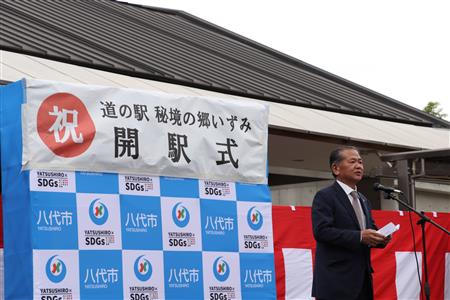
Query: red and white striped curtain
(395,266)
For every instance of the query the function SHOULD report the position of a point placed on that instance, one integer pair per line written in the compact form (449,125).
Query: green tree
(433,109)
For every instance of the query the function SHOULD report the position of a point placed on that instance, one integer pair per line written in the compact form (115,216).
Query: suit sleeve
(324,229)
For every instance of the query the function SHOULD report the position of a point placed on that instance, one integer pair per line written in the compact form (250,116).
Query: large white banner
(104,129)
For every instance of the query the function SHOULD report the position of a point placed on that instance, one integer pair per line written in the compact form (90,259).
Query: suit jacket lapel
(343,198)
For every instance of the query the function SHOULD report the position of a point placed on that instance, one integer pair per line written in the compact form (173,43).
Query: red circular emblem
(64,125)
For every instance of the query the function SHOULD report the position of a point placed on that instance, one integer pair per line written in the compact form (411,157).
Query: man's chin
(357,178)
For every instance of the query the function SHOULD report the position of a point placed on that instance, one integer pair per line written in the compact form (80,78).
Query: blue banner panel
(253,192)
(183,275)
(101,274)
(100,183)
(179,187)
(257,276)
(141,222)
(54,220)
(18,262)
(219,225)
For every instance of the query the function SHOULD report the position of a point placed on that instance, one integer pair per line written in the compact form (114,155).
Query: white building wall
(300,194)
(427,201)
(429,197)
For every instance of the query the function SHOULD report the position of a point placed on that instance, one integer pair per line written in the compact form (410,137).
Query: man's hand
(386,241)
(373,239)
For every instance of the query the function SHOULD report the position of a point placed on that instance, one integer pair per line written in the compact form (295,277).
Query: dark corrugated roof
(173,46)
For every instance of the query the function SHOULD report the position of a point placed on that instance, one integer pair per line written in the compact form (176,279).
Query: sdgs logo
(142,268)
(225,289)
(180,215)
(99,225)
(64,125)
(254,218)
(255,239)
(55,269)
(143,283)
(182,236)
(98,212)
(221,269)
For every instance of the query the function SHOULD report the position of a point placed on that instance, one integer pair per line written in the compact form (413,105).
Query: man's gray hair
(336,157)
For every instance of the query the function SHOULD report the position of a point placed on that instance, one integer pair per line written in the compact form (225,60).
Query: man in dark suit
(344,231)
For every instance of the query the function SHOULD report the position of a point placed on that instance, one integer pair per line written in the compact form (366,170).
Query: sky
(397,48)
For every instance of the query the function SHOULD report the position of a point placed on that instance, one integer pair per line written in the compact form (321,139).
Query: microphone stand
(421,222)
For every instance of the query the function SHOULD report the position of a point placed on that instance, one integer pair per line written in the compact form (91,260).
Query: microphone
(386,189)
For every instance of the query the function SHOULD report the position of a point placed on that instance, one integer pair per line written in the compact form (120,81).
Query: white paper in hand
(389,229)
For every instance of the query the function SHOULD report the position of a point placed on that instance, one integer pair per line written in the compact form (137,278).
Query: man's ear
(335,169)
